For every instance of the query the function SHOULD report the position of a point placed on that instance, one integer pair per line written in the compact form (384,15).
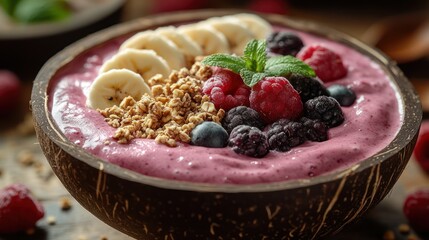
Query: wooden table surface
(21,160)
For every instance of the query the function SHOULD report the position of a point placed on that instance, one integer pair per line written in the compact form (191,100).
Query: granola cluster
(176,106)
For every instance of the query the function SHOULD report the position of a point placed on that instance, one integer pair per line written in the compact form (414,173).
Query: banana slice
(257,25)
(144,62)
(208,38)
(161,45)
(111,87)
(182,41)
(237,35)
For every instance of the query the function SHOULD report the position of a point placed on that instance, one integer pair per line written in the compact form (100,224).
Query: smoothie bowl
(163,184)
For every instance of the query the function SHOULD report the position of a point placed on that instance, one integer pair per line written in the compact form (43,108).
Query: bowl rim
(410,104)
(80,19)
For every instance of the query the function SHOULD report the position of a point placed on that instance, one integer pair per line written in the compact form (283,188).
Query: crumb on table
(65,204)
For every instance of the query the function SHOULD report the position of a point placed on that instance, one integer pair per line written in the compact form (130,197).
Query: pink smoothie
(370,124)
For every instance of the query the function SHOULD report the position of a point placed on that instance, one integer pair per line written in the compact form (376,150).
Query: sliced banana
(257,25)
(185,44)
(144,62)
(237,35)
(111,87)
(208,38)
(161,45)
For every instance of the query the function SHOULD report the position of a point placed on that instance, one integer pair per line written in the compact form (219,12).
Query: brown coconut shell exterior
(152,208)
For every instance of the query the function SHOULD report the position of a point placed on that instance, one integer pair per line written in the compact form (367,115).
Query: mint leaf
(250,78)
(9,6)
(255,55)
(231,62)
(286,65)
(30,11)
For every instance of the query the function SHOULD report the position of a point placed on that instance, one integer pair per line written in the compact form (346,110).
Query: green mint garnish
(254,65)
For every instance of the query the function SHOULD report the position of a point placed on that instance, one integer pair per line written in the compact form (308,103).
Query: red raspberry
(326,63)
(275,98)
(10,90)
(19,211)
(226,89)
(269,6)
(421,150)
(416,209)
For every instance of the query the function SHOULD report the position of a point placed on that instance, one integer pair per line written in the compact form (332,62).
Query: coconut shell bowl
(152,208)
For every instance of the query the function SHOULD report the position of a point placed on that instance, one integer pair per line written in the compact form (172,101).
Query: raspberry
(315,130)
(284,43)
(269,6)
(416,209)
(19,211)
(241,115)
(226,89)
(307,87)
(326,63)
(284,134)
(249,141)
(421,151)
(275,98)
(10,90)
(325,109)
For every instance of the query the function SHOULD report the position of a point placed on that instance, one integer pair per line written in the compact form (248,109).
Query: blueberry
(344,95)
(284,43)
(209,134)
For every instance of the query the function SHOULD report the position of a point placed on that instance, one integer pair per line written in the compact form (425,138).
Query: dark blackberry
(284,43)
(315,130)
(209,134)
(249,141)
(241,115)
(307,87)
(325,109)
(344,95)
(283,135)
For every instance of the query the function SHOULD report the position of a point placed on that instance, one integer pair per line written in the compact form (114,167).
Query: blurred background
(31,31)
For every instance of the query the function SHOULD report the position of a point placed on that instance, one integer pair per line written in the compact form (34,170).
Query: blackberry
(249,141)
(209,134)
(284,43)
(344,95)
(307,87)
(283,135)
(241,115)
(315,130)
(325,109)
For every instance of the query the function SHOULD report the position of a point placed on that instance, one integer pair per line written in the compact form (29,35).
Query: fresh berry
(416,209)
(325,109)
(421,150)
(284,135)
(344,95)
(249,141)
(241,115)
(315,130)
(10,90)
(226,89)
(209,134)
(275,98)
(284,43)
(19,211)
(174,5)
(307,87)
(326,63)
(269,6)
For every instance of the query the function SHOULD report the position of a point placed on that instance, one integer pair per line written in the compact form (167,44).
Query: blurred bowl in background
(25,47)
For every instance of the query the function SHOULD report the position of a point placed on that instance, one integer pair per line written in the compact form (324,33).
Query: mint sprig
(254,65)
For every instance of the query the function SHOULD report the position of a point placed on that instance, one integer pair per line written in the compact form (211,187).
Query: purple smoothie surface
(370,124)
